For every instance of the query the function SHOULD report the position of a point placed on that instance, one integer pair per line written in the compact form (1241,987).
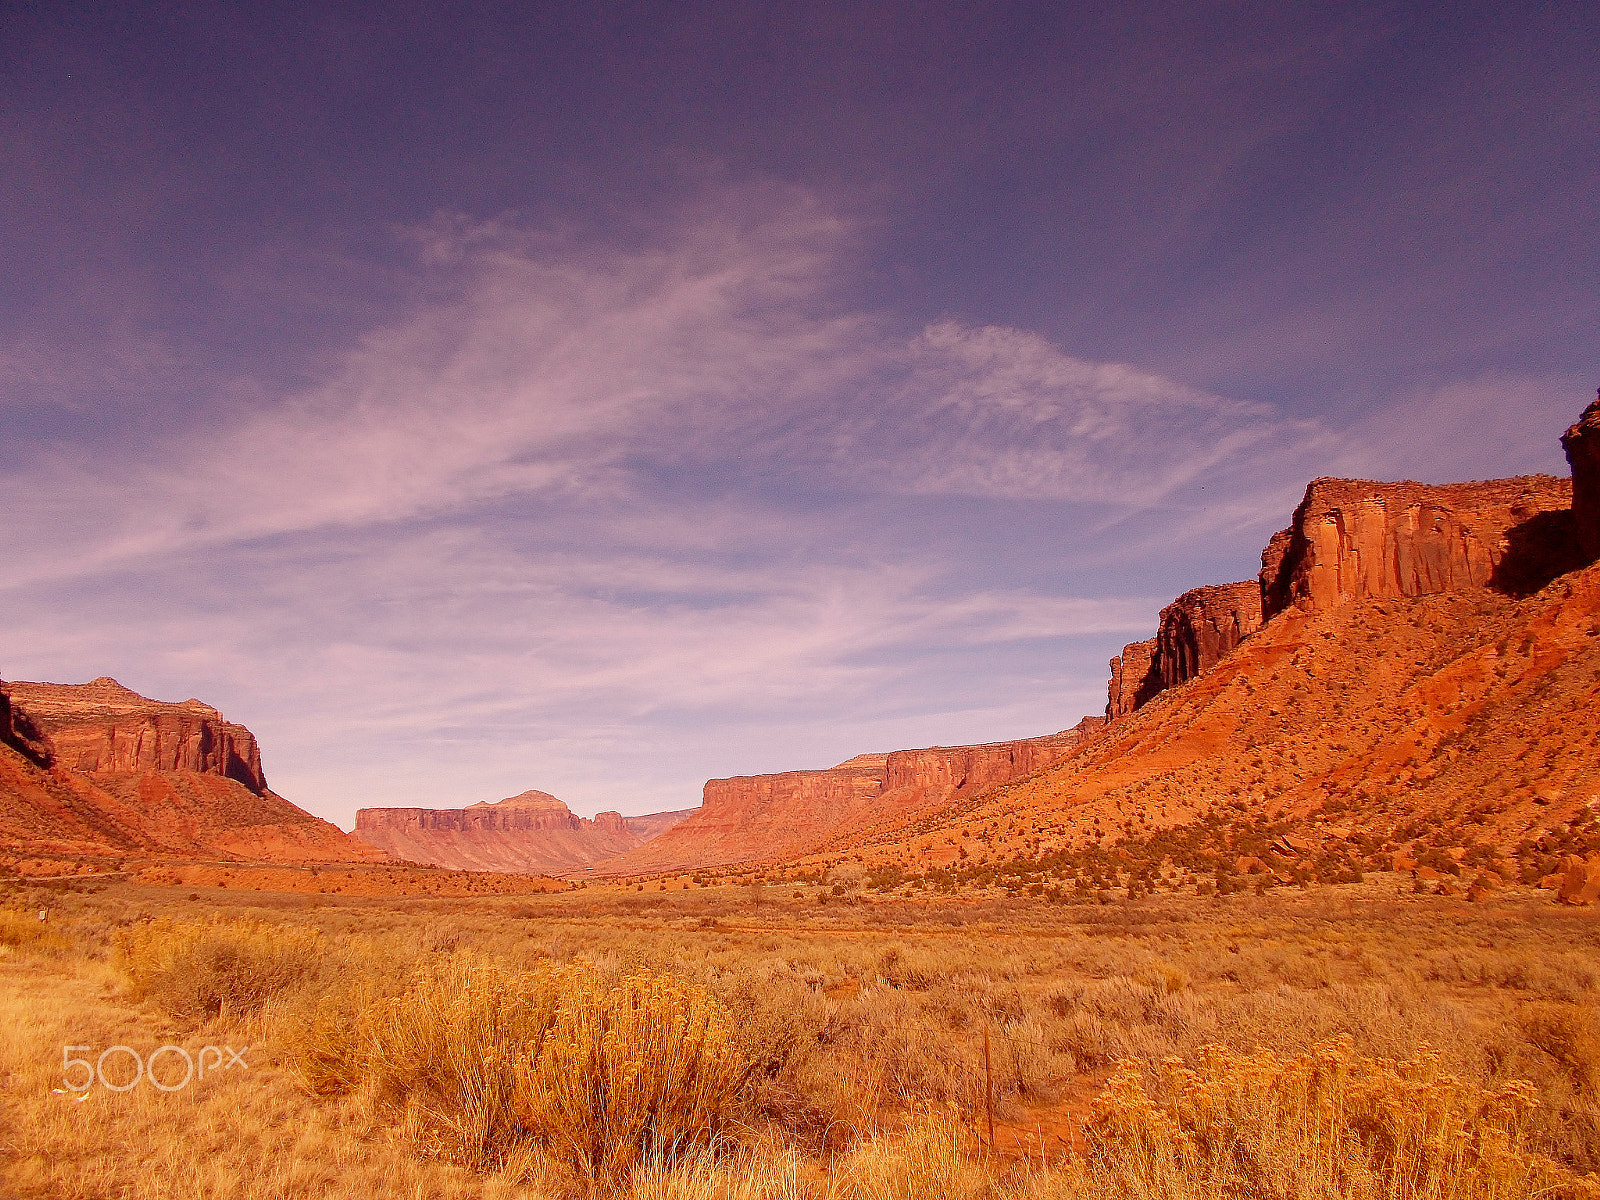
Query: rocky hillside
(1424,690)
(98,770)
(533,832)
(758,817)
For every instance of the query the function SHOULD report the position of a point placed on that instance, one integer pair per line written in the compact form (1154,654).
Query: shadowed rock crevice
(19,731)
(1538,551)
(1582,445)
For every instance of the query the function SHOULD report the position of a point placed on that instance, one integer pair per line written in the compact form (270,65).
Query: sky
(472,398)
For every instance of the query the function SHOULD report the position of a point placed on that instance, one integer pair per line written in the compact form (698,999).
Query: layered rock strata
(1202,626)
(103,726)
(974,767)
(749,818)
(1133,679)
(1582,444)
(530,833)
(1353,539)
(1429,652)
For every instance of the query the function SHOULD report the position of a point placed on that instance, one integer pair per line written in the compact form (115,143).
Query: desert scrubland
(797,1039)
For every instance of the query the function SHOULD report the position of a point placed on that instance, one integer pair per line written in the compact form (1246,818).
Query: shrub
(646,1068)
(201,969)
(441,1054)
(477,1060)
(445,1053)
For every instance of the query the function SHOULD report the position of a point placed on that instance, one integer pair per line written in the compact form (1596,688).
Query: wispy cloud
(557,372)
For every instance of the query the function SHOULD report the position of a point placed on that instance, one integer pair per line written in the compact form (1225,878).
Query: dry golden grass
(485,1048)
(25,931)
(1324,1123)
(443,1054)
(237,1135)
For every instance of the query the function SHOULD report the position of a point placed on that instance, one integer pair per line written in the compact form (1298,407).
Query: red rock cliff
(1133,679)
(1197,630)
(1582,444)
(1353,538)
(103,726)
(529,812)
(18,730)
(786,807)
(1202,626)
(976,767)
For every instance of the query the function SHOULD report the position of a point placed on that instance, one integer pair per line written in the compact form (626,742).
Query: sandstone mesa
(98,770)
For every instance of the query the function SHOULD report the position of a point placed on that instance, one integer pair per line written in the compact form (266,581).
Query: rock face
(1354,727)
(741,817)
(1421,651)
(530,833)
(1354,539)
(103,726)
(1133,679)
(975,767)
(131,775)
(749,818)
(1197,630)
(19,731)
(1202,626)
(1582,444)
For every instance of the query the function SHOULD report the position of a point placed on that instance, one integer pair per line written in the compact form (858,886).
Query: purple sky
(600,398)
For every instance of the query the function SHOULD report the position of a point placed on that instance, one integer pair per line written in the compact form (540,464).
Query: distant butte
(529,833)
